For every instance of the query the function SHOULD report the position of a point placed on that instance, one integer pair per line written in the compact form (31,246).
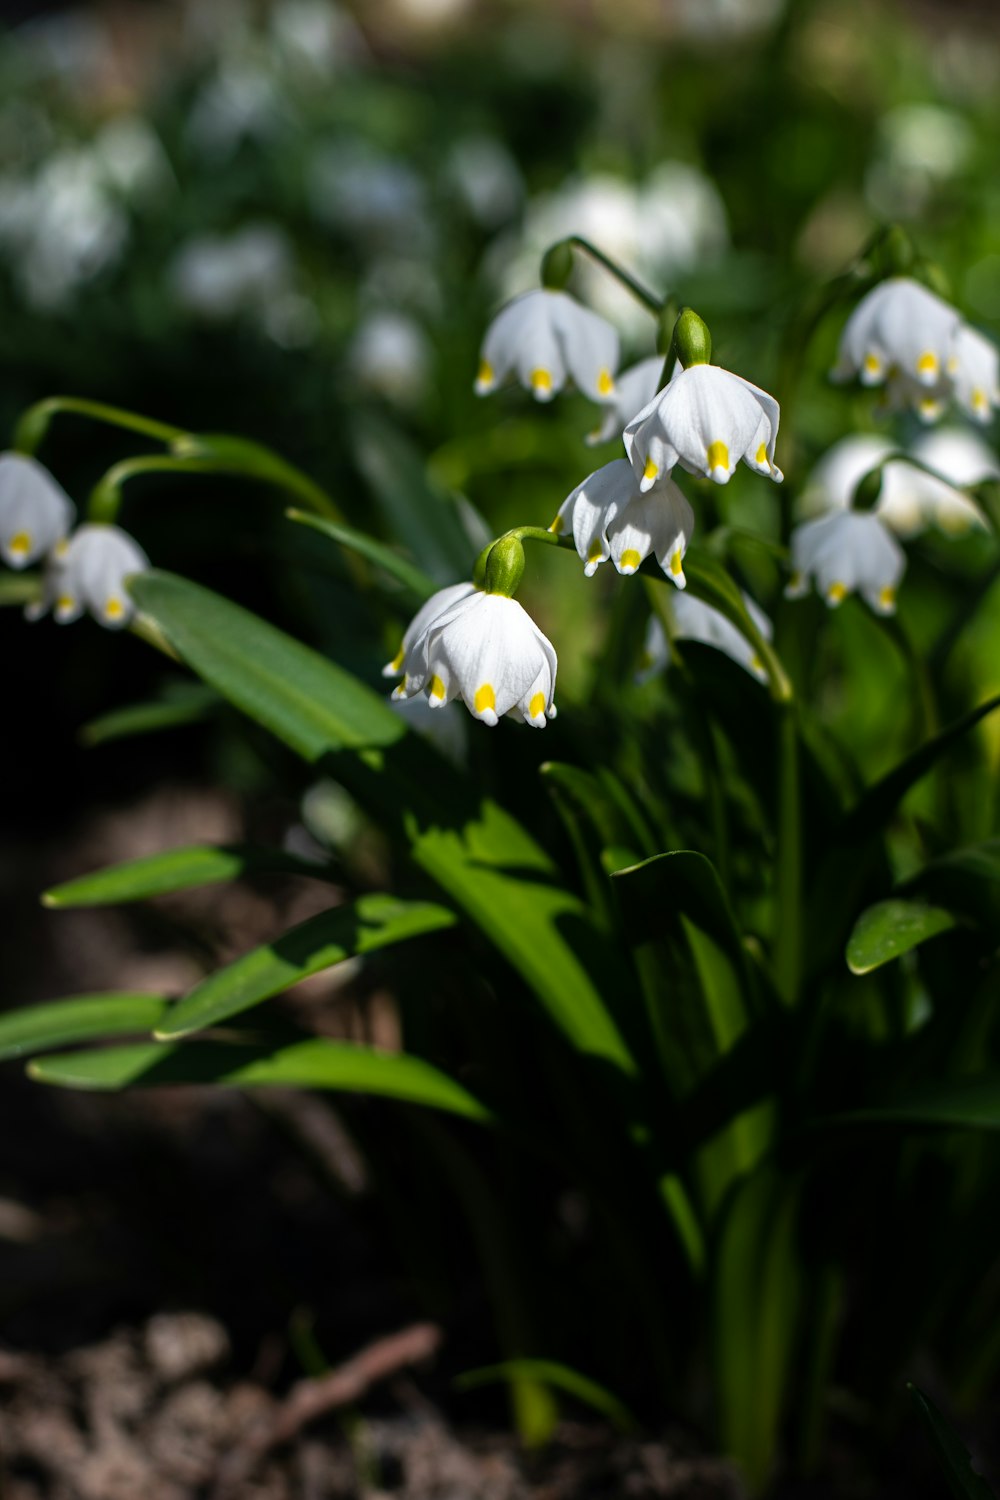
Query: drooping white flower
(544,338)
(845,551)
(976,373)
(909,499)
(407,660)
(898,325)
(612,516)
(634,389)
(694,620)
(35,511)
(706,419)
(486,650)
(88,572)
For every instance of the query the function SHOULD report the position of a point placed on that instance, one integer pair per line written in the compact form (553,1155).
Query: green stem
(635,288)
(19,588)
(520,534)
(33,423)
(788,872)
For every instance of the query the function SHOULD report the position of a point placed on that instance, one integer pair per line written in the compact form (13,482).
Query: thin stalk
(635,288)
(788,872)
(33,424)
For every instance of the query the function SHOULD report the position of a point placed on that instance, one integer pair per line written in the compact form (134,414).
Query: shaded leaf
(82,1018)
(411,577)
(950,1451)
(315,1064)
(968,1103)
(177,870)
(370,923)
(890,928)
(562,1377)
(422,516)
(183,703)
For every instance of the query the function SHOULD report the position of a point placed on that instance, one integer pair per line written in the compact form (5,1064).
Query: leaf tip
(51,898)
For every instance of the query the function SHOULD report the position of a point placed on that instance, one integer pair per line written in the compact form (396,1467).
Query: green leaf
(177,870)
(411,577)
(370,923)
(313,1064)
(950,1451)
(182,703)
(708,580)
(483,858)
(562,1377)
(56,1023)
(890,928)
(421,515)
(968,1103)
(967,881)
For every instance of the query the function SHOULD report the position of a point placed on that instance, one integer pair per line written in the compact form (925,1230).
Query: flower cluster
(84,569)
(905,337)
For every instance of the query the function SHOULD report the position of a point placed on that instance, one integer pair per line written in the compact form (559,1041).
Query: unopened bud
(31,427)
(557,265)
(692,339)
(868,489)
(504,567)
(104,502)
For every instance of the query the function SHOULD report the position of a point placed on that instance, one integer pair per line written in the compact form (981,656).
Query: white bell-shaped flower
(611,516)
(976,373)
(706,419)
(898,325)
(486,650)
(634,389)
(909,499)
(544,338)
(408,659)
(961,458)
(88,572)
(694,620)
(835,477)
(845,551)
(35,511)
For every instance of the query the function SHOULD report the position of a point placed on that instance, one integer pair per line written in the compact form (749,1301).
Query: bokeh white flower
(35,511)
(909,499)
(902,325)
(845,552)
(88,573)
(694,620)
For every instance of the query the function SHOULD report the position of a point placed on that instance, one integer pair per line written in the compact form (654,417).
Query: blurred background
(292,220)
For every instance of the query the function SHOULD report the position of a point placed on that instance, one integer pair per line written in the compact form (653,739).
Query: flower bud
(868,489)
(504,567)
(692,339)
(32,425)
(557,265)
(895,254)
(104,502)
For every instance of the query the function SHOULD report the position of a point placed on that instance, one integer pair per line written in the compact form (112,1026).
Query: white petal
(35,511)
(589,346)
(660,522)
(589,509)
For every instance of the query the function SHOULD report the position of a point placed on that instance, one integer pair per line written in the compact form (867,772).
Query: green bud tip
(504,567)
(557,265)
(868,489)
(692,339)
(896,254)
(104,502)
(32,425)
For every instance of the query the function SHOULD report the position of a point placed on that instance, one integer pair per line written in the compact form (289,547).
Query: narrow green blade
(406,573)
(176,870)
(185,703)
(950,1451)
(968,1103)
(315,1064)
(893,927)
(57,1023)
(372,922)
(562,1378)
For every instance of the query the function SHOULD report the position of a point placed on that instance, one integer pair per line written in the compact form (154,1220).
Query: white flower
(391,355)
(35,511)
(694,620)
(489,652)
(844,551)
(898,325)
(976,373)
(634,389)
(706,420)
(89,572)
(545,337)
(909,499)
(612,516)
(407,660)
(219,276)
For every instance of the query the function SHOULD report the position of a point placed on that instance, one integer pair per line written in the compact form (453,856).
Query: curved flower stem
(33,424)
(518,534)
(106,495)
(635,288)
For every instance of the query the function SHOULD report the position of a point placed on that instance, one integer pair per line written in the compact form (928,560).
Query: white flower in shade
(634,389)
(544,338)
(693,620)
(486,650)
(909,499)
(834,479)
(899,325)
(845,551)
(960,458)
(976,373)
(88,572)
(35,511)
(408,660)
(611,516)
(706,419)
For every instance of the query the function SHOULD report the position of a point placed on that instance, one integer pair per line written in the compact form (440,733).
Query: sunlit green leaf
(370,923)
(176,870)
(890,928)
(56,1023)
(315,1064)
